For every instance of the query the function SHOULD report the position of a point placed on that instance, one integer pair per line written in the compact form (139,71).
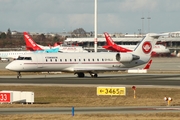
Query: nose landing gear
(19,75)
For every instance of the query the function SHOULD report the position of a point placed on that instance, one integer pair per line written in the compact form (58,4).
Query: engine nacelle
(126,57)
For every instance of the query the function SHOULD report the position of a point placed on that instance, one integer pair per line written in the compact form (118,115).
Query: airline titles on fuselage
(79,59)
(30,40)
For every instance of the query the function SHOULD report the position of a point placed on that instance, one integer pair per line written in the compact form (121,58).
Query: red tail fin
(110,45)
(30,43)
(109,40)
(148,64)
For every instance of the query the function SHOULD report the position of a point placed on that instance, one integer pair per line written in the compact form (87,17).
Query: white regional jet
(7,55)
(80,63)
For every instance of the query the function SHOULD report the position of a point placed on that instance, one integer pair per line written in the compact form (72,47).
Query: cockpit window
(27,58)
(24,58)
(20,58)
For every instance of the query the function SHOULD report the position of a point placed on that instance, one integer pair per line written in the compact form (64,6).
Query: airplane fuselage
(73,62)
(12,54)
(65,48)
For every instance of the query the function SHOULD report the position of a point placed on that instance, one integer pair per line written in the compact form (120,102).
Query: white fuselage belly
(72,62)
(65,48)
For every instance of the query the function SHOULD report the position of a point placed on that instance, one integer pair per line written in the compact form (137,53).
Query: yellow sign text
(111,91)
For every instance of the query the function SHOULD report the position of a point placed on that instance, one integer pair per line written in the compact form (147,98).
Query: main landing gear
(94,75)
(81,75)
(19,75)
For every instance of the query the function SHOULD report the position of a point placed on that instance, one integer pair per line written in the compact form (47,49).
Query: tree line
(8,40)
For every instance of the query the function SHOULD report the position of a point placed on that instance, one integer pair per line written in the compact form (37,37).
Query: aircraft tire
(80,75)
(18,75)
(94,75)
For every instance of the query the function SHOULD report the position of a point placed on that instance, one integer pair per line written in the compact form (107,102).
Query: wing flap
(98,69)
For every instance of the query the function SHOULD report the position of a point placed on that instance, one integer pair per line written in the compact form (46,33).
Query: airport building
(171,41)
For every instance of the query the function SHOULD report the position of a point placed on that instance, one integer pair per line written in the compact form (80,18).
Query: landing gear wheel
(80,75)
(19,75)
(94,75)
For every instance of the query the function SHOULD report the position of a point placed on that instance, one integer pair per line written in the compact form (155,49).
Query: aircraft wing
(98,69)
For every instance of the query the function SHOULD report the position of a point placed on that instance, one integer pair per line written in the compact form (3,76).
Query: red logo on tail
(147,47)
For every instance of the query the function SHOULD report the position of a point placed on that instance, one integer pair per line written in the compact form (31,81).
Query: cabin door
(40,61)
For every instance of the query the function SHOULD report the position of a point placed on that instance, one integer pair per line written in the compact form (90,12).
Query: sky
(114,16)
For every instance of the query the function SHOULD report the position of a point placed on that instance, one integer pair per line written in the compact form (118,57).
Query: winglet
(30,43)
(148,65)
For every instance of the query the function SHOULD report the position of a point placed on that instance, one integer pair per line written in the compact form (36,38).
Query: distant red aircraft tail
(109,40)
(57,44)
(30,43)
(148,64)
(110,45)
